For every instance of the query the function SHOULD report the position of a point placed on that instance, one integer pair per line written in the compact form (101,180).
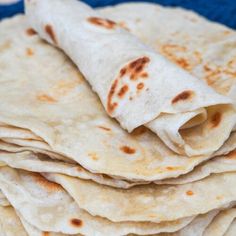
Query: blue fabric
(223,11)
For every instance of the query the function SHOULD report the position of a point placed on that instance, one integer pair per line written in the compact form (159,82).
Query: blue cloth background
(223,11)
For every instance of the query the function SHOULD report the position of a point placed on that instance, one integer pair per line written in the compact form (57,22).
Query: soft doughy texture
(221,223)
(46,206)
(161,203)
(52,100)
(10,224)
(136,85)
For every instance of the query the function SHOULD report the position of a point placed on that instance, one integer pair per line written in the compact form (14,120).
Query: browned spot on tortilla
(215,119)
(219,197)
(50,32)
(185,95)
(140,130)
(108,24)
(45,234)
(128,150)
(122,72)
(48,185)
(76,222)
(140,86)
(123,25)
(111,106)
(104,128)
(31,32)
(133,71)
(189,193)
(29,52)
(181,56)
(46,98)
(144,75)
(123,91)
(93,155)
(5,45)
(231,155)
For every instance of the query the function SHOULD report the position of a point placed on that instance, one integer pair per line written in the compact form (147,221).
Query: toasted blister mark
(50,32)
(76,222)
(4,46)
(45,234)
(127,150)
(31,32)
(46,98)
(140,86)
(215,119)
(106,23)
(29,52)
(181,56)
(104,128)
(183,96)
(123,25)
(93,156)
(189,193)
(131,73)
(110,105)
(231,155)
(123,90)
(46,184)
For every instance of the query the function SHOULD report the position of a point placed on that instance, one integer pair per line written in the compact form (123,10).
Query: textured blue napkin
(223,11)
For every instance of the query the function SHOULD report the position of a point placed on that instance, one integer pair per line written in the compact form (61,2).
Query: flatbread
(46,206)
(151,202)
(130,90)
(56,98)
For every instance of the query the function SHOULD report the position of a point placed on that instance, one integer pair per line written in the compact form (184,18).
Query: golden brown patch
(31,32)
(123,25)
(4,46)
(50,32)
(48,185)
(140,130)
(181,56)
(45,234)
(189,193)
(76,222)
(93,155)
(231,155)
(123,91)
(104,128)
(140,86)
(185,95)
(110,105)
(46,98)
(29,52)
(127,150)
(215,119)
(219,197)
(135,71)
(108,24)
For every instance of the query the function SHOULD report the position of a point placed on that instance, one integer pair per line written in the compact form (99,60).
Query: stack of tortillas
(135,138)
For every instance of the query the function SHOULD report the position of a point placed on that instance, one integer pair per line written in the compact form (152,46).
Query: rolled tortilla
(136,85)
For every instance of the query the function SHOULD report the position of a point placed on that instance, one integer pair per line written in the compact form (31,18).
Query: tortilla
(55,98)
(46,206)
(128,87)
(150,202)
